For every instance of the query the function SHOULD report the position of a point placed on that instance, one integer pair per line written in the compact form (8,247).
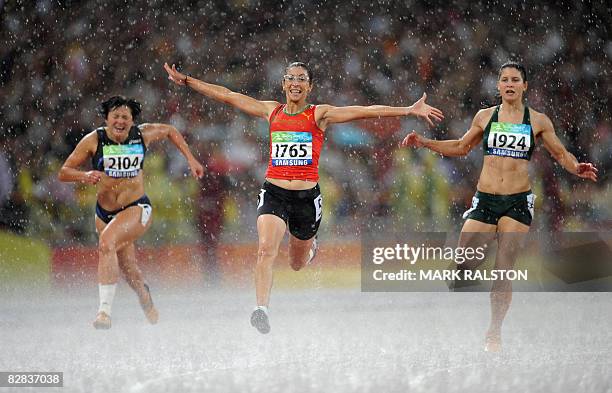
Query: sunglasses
(298,78)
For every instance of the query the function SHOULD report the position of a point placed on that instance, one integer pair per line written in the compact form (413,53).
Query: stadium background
(60,59)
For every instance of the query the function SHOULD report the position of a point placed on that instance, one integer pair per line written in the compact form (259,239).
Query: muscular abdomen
(504,176)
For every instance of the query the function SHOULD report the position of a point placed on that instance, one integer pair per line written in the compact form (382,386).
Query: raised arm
(453,147)
(222,94)
(153,132)
(327,114)
(567,160)
(85,149)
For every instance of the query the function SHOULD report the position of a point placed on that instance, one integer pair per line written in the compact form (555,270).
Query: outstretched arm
(451,148)
(567,160)
(222,94)
(152,132)
(327,114)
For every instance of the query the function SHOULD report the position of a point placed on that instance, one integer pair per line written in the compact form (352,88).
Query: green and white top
(508,139)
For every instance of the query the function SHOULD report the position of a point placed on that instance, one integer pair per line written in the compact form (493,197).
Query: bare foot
(493,342)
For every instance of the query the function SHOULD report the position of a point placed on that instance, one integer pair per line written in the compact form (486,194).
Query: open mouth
(295,91)
(120,129)
(509,91)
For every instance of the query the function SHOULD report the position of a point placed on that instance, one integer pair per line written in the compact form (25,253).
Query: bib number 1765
(290,150)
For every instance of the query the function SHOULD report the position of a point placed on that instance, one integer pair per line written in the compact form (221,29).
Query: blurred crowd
(60,59)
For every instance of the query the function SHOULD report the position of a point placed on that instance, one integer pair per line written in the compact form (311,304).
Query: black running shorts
(144,202)
(489,208)
(301,210)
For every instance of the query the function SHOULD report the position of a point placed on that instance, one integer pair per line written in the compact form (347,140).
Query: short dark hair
(116,101)
(516,65)
(304,66)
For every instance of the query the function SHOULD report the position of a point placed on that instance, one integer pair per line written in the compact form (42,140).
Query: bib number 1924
(509,141)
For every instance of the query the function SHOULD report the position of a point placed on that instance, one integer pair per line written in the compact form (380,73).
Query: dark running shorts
(301,210)
(489,208)
(143,202)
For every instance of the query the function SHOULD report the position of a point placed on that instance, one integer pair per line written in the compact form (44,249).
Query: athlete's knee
(266,250)
(508,251)
(107,244)
(128,267)
(297,257)
(511,240)
(296,264)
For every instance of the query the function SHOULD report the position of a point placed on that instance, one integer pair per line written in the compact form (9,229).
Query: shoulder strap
(526,119)
(495,117)
(101,134)
(96,159)
(275,112)
(136,132)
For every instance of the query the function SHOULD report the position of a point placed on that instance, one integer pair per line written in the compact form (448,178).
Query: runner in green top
(503,202)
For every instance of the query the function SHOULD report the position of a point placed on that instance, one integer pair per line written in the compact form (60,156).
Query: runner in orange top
(290,197)
(290,161)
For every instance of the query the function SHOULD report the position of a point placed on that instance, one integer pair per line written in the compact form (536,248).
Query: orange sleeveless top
(295,145)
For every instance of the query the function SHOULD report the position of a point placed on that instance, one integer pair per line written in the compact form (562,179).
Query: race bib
(509,140)
(291,148)
(122,160)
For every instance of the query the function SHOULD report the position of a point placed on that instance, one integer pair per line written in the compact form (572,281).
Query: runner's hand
(425,112)
(92,177)
(412,140)
(174,75)
(197,170)
(586,170)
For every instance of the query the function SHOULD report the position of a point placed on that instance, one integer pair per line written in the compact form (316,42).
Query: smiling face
(296,85)
(511,85)
(118,122)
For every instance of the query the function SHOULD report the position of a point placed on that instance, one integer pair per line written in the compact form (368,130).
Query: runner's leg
(124,229)
(300,252)
(510,239)
(133,276)
(270,230)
